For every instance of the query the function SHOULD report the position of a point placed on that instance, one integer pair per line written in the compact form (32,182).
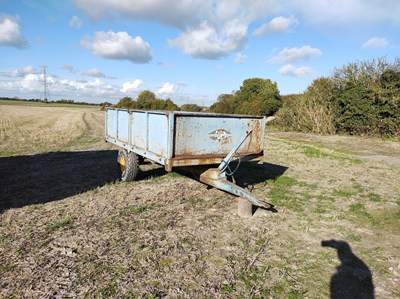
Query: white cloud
(10,34)
(21,73)
(276,25)
(207,42)
(94,73)
(290,70)
(178,13)
(80,85)
(209,29)
(240,58)
(75,22)
(131,85)
(215,28)
(31,82)
(31,86)
(168,88)
(346,12)
(118,45)
(294,54)
(376,42)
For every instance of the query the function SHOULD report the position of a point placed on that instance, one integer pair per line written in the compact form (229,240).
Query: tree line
(62,101)
(360,98)
(147,100)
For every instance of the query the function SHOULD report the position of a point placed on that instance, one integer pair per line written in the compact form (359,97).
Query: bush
(191,108)
(256,96)
(147,100)
(224,104)
(368,98)
(360,98)
(311,111)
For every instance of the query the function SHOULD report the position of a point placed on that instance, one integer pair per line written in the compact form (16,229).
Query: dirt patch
(371,149)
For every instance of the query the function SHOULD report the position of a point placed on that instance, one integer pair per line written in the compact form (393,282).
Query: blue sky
(187,50)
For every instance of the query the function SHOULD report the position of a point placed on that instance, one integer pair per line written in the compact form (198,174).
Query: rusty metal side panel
(216,135)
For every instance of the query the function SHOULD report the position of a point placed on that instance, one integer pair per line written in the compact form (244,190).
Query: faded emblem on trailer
(220,135)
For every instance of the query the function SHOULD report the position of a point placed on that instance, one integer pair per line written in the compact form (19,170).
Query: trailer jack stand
(217,177)
(213,177)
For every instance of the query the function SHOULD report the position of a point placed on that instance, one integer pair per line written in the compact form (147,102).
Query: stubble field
(70,228)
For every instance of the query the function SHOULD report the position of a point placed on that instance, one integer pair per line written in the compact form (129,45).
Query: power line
(46,92)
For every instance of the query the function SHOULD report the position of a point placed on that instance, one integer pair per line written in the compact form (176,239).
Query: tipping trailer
(176,139)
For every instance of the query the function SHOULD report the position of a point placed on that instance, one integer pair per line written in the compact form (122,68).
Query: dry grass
(31,129)
(68,228)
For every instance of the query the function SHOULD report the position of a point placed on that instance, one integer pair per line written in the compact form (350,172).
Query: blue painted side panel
(208,135)
(111,123)
(157,134)
(138,132)
(180,138)
(122,125)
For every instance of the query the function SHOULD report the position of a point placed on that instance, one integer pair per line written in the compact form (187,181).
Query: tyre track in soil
(34,129)
(93,131)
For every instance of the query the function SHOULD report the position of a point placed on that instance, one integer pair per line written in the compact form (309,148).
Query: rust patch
(255,140)
(193,160)
(188,156)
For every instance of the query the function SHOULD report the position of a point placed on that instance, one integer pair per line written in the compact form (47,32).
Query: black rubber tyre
(128,165)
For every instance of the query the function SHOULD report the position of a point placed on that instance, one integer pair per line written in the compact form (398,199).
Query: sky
(190,51)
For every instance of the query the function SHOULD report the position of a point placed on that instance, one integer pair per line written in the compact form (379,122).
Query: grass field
(70,228)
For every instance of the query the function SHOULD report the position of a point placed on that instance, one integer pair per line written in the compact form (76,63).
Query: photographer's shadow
(352,279)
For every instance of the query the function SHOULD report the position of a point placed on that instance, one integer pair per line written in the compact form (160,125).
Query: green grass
(3,239)
(310,151)
(228,288)
(63,223)
(358,208)
(281,193)
(354,238)
(320,152)
(374,197)
(173,174)
(344,193)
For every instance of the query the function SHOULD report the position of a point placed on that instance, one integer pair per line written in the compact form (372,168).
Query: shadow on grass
(42,178)
(247,175)
(37,179)
(352,279)
(251,173)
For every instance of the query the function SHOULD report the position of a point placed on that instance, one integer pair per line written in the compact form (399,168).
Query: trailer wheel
(128,165)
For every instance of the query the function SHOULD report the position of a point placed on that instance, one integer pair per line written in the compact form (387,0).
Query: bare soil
(70,228)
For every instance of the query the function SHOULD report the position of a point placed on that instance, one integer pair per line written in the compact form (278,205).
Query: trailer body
(174,138)
(177,139)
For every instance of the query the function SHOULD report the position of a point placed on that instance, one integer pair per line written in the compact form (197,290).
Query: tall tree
(258,96)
